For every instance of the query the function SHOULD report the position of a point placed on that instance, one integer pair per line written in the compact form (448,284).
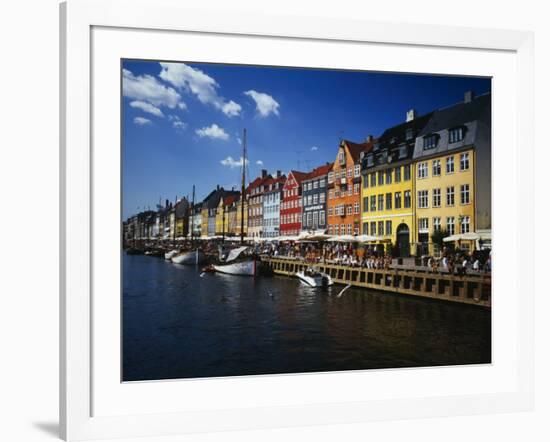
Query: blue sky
(183,122)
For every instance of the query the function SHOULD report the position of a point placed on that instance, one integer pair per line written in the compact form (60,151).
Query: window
(349,209)
(373,228)
(315,219)
(349,229)
(423,199)
(423,225)
(336,194)
(322,218)
(430,141)
(356,208)
(380,202)
(456,134)
(398,174)
(350,172)
(436,197)
(380,228)
(450,164)
(373,179)
(407,198)
(437,224)
(409,134)
(398,200)
(322,182)
(356,188)
(388,228)
(349,191)
(380,178)
(331,177)
(336,229)
(315,199)
(342,157)
(388,176)
(356,170)
(365,182)
(451,225)
(422,170)
(365,204)
(330,211)
(465,194)
(407,172)
(388,201)
(436,167)
(465,224)
(365,228)
(373,203)
(464,161)
(451,196)
(330,194)
(322,198)
(309,219)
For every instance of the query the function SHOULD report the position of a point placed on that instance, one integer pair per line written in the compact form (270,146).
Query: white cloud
(265,104)
(147,107)
(195,81)
(148,89)
(260,163)
(177,123)
(214,132)
(314,148)
(140,121)
(232,163)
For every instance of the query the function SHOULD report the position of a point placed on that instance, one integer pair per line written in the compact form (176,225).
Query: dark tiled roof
(398,134)
(458,114)
(319,171)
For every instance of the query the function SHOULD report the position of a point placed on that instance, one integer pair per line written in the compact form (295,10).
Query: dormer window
(376,146)
(370,160)
(409,134)
(456,134)
(430,141)
(402,152)
(341,158)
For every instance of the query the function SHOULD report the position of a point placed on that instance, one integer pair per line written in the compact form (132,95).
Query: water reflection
(179,324)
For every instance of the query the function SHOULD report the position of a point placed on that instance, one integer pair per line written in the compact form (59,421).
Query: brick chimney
(411,115)
(468,96)
(369,138)
(278,174)
(264,173)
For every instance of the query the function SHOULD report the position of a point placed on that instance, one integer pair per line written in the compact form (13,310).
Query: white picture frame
(77,377)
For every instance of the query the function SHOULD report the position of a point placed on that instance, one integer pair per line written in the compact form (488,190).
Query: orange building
(344,189)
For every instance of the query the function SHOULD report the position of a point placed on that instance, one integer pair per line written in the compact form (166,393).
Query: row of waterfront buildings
(430,173)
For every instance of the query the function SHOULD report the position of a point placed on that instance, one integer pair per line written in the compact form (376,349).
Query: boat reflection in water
(179,324)
(194,257)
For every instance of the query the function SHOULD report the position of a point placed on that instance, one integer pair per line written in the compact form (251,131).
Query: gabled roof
(355,149)
(230,199)
(396,135)
(298,176)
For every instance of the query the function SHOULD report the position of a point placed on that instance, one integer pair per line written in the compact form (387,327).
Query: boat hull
(169,255)
(320,280)
(245,268)
(191,258)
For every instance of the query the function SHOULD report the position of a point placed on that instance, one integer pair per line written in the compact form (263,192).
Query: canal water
(179,324)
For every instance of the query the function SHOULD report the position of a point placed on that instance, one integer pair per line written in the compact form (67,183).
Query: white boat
(313,278)
(193,257)
(243,268)
(168,255)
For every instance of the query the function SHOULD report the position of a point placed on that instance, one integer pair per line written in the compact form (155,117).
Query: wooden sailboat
(193,257)
(235,264)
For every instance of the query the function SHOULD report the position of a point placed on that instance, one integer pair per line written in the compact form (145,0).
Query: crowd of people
(455,262)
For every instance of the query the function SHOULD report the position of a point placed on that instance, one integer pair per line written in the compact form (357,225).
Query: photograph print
(287,220)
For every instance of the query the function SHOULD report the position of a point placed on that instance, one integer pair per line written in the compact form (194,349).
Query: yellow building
(387,187)
(204,220)
(452,171)
(238,218)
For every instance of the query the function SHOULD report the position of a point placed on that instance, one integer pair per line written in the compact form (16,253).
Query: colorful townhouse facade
(272,200)
(344,189)
(388,186)
(195,220)
(314,198)
(291,206)
(452,168)
(255,204)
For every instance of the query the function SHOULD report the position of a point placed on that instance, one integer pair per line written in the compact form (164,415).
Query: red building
(291,207)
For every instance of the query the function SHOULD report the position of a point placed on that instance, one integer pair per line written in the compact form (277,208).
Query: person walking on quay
(476,265)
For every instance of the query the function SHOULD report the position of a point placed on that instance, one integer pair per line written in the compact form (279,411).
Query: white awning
(234,254)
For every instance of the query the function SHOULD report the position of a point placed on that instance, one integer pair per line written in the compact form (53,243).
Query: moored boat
(314,278)
(243,268)
(168,255)
(193,257)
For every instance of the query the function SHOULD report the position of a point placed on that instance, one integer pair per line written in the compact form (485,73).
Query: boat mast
(243,196)
(192,215)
